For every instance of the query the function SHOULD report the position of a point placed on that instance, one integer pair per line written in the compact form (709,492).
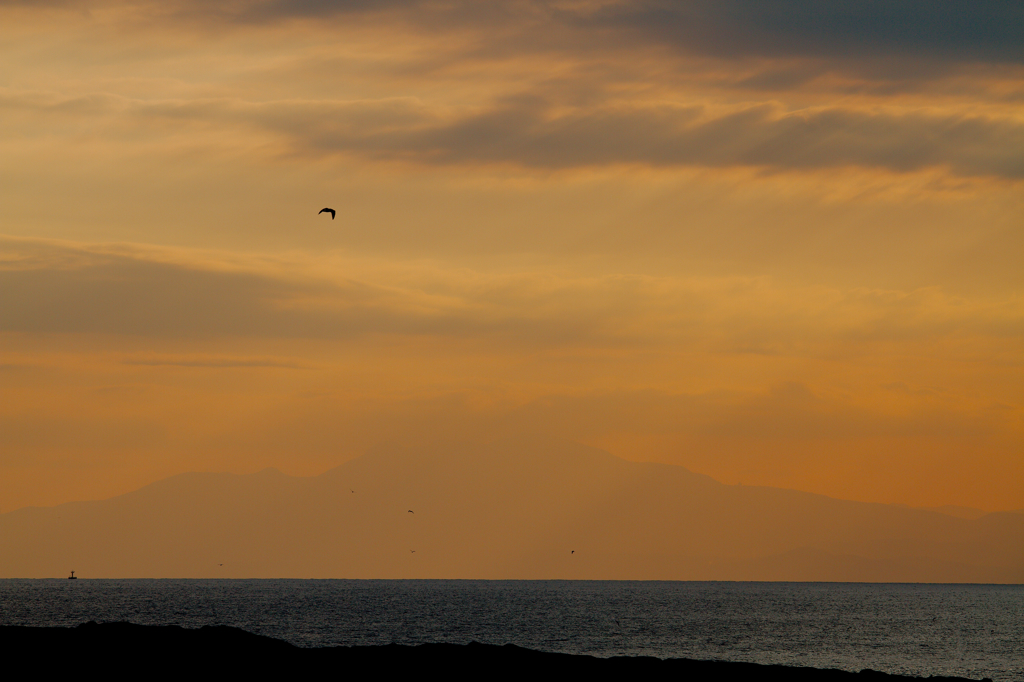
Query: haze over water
(972,631)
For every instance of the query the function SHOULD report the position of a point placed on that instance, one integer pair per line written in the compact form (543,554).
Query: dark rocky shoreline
(121,650)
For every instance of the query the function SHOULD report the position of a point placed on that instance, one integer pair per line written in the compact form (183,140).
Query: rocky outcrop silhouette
(123,650)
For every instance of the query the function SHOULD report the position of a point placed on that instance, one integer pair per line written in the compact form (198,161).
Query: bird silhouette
(328,210)
(411,511)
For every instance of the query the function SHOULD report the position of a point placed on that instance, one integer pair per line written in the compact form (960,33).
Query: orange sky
(779,246)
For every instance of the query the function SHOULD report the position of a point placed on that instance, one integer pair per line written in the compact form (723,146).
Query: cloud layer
(958,30)
(532,132)
(983,30)
(62,288)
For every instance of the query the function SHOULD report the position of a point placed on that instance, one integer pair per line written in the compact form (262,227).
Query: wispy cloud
(211,361)
(534,132)
(129,291)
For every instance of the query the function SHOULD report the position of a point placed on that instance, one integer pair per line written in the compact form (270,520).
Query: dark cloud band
(526,133)
(982,30)
(956,30)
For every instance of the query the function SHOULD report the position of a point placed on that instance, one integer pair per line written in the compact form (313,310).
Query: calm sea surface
(973,631)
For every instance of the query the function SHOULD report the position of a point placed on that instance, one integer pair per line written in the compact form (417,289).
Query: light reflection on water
(971,631)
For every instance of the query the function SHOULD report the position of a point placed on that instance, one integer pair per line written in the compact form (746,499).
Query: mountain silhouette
(522,508)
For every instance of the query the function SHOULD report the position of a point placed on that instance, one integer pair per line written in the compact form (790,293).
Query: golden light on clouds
(783,250)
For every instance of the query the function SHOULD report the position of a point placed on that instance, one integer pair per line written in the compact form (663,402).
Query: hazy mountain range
(513,509)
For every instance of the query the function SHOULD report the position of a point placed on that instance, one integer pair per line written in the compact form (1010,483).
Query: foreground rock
(123,650)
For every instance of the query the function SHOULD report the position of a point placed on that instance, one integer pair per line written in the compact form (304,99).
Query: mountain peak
(524,507)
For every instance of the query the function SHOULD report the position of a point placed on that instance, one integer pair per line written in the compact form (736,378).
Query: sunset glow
(782,249)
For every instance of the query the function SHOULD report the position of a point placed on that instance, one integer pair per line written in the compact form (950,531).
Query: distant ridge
(955,510)
(524,508)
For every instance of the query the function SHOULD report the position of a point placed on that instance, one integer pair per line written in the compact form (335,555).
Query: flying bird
(411,511)
(327,210)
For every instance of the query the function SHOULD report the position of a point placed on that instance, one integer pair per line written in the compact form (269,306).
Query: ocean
(973,631)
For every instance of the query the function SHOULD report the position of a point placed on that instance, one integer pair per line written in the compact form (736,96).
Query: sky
(775,243)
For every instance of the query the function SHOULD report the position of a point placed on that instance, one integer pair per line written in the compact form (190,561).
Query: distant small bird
(328,210)
(572,552)
(411,511)
(413,551)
